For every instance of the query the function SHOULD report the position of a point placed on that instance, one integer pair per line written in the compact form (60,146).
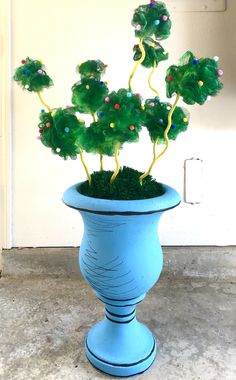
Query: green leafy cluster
(61,131)
(154,53)
(194,79)
(91,69)
(156,120)
(88,95)
(152,20)
(120,119)
(31,76)
(125,187)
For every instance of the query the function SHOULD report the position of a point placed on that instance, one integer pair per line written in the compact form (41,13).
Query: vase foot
(120,349)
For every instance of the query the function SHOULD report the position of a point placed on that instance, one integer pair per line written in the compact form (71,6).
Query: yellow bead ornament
(112,125)
(200,83)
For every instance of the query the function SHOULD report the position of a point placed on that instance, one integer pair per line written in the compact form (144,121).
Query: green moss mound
(125,187)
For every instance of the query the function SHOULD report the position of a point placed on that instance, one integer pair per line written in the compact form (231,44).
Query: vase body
(121,259)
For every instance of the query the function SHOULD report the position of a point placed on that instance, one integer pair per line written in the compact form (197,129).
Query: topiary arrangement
(117,117)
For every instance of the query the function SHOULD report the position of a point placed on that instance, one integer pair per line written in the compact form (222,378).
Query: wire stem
(85,167)
(93,116)
(101,162)
(43,102)
(117,169)
(149,80)
(137,63)
(155,157)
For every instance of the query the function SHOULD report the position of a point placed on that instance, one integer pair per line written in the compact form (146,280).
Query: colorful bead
(200,83)
(216,58)
(152,104)
(107,99)
(157,99)
(132,127)
(48,124)
(220,72)
(185,119)
(87,87)
(40,71)
(138,27)
(27,86)
(27,72)
(172,126)
(23,61)
(40,130)
(170,78)
(195,61)
(157,22)
(67,129)
(117,106)
(39,137)
(42,110)
(136,46)
(209,98)
(101,114)
(161,121)
(112,125)
(58,150)
(101,82)
(129,94)
(165,18)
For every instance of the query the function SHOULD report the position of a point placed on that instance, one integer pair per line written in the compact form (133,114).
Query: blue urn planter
(121,259)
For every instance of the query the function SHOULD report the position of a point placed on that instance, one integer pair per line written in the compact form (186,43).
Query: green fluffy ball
(194,79)
(32,76)
(91,69)
(88,95)
(122,116)
(152,20)
(154,53)
(61,131)
(156,120)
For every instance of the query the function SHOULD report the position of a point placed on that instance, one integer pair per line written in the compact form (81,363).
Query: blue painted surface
(121,259)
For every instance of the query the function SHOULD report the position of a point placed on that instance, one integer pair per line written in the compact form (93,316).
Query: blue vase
(121,259)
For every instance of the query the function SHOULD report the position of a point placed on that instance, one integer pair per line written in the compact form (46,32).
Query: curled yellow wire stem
(137,63)
(101,162)
(149,80)
(43,102)
(85,167)
(93,116)
(117,169)
(167,141)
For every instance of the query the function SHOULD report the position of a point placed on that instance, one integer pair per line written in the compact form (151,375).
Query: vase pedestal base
(119,345)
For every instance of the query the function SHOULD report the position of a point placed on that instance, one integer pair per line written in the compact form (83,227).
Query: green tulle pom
(91,69)
(95,140)
(152,20)
(32,76)
(61,131)
(156,120)
(154,53)
(194,79)
(122,116)
(88,95)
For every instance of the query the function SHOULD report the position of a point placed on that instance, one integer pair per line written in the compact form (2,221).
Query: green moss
(125,187)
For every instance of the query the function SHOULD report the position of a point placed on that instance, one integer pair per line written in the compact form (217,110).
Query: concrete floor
(46,310)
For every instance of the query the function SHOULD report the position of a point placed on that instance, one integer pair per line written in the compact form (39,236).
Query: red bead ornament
(48,125)
(117,106)
(170,78)
(132,127)
(40,130)
(23,61)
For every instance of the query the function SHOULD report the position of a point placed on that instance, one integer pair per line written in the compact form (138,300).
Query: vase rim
(80,202)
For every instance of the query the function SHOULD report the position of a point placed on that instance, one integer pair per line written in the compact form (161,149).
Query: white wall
(67,32)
